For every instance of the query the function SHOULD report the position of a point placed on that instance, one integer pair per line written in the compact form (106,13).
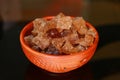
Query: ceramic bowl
(57,63)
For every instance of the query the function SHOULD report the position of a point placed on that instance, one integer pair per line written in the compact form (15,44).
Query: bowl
(57,63)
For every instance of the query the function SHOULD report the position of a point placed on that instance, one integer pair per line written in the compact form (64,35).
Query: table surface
(15,66)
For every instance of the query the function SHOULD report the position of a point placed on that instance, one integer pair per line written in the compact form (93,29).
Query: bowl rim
(29,26)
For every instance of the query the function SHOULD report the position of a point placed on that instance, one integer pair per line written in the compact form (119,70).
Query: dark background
(103,14)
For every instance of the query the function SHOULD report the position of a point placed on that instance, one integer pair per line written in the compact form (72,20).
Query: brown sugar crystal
(60,35)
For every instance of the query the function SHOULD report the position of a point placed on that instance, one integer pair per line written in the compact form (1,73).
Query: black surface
(15,66)
(108,34)
(1,29)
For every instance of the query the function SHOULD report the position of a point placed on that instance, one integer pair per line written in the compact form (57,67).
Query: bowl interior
(27,30)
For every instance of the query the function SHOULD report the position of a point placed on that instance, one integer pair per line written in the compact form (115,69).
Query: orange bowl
(57,63)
